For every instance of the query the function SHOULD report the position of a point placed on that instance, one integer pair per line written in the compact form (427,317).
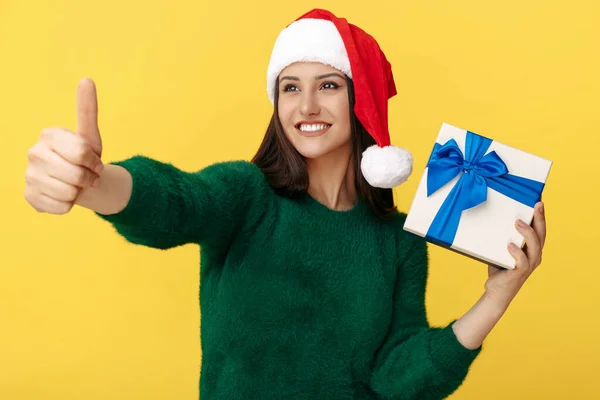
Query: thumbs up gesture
(62,163)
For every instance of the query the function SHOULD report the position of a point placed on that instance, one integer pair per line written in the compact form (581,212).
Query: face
(313,108)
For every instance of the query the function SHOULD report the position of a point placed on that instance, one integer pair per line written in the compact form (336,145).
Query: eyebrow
(295,78)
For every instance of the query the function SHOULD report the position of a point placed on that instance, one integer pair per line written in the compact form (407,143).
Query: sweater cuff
(449,354)
(138,199)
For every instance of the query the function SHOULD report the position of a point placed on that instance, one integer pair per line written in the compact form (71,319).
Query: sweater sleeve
(417,361)
(169,207)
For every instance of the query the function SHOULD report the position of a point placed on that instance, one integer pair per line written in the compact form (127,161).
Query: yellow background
(86,315)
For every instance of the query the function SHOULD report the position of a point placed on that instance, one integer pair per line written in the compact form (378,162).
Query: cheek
(343,134)
(344,123)
(286,118)
(285,112)
(342,112)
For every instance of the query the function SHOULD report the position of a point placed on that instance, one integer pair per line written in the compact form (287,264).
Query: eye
(289,88)
(330,85)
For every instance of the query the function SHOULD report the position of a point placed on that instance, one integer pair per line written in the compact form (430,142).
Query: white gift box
(494,185)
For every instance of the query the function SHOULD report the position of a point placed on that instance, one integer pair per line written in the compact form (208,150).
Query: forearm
(111,195)
(155,204)
(473,327)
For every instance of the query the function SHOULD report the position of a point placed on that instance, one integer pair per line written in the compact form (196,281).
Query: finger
(59,190)
(42,203)
(539,223)
(74,150)
(59,168)
(533,249)
(521,260)
(87,114)
(55,206)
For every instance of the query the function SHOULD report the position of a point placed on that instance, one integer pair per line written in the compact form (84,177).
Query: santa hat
(320,36)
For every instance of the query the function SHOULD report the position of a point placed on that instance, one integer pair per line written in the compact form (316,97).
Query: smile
(312,129)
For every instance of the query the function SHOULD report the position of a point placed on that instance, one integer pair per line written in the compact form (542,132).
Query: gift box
(472,192)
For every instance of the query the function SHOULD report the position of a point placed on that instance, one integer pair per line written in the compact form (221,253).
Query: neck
(331,180)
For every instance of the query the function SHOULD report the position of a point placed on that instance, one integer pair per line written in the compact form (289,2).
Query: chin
(312,153)
(310,147)
(316,150)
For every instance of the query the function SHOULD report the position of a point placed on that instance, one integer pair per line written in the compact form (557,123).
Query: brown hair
(285,168)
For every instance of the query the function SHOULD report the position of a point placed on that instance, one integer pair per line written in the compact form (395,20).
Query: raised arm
(169,207)
(149,202)
(418,361)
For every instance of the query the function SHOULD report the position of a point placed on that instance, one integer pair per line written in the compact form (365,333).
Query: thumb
(87,114)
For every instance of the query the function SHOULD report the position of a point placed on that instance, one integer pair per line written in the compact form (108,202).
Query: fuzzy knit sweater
(297,301)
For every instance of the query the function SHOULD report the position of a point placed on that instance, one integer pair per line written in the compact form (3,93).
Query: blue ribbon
(478,172)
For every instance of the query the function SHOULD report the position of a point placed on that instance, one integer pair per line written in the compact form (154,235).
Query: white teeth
(312,128)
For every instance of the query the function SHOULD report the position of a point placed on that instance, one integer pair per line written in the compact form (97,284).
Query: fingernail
(99,168)
(541,208)
(521,223)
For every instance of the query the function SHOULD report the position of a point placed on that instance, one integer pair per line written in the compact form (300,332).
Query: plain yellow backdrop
(86,315)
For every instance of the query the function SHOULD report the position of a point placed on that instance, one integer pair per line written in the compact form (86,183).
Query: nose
(309,104)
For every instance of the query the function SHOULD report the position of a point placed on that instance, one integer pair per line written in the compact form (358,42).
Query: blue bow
(479,172)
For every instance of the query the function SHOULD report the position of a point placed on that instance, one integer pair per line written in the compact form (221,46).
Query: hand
(504,284)
(63,162)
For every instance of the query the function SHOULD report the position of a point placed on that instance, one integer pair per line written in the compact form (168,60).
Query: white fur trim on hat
(386,167)
(307,40)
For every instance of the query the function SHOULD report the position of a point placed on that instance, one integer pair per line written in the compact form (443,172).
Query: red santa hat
(320,36)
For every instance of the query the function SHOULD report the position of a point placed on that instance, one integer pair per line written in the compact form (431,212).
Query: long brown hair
(285,168)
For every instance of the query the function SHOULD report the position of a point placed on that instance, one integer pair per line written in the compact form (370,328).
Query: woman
(310,288)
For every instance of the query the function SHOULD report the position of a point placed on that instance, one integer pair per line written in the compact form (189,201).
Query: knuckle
(51,169)
(33,154)
(80,176)
(32,200)
(59,210)
(46,133)
(28,195)
(29,176)
(81,152)
(49,134)
(71,192)
(64,208)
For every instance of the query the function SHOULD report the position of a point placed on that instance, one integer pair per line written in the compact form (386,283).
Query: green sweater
(298,301)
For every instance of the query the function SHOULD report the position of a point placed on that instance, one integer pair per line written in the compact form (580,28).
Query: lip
(312,133)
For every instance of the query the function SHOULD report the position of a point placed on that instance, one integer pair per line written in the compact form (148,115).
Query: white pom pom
(386,167)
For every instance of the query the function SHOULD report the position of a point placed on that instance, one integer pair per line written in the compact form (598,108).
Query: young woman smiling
(310,288)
